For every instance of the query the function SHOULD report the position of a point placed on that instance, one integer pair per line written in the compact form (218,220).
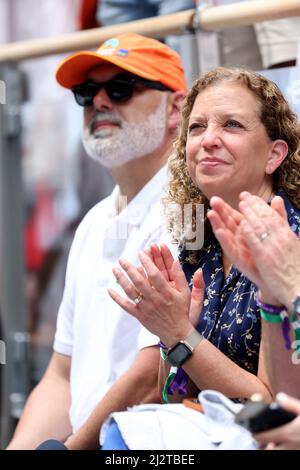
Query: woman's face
(228,149)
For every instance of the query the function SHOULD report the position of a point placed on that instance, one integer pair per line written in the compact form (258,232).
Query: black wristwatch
(295,310)
(182,351)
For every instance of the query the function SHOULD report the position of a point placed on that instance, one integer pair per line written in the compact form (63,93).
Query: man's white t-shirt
(103,339)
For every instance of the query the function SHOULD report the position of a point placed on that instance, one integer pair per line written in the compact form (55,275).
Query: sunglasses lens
(119,89)
(85,93)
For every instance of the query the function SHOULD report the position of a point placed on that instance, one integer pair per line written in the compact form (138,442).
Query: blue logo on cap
(122,52)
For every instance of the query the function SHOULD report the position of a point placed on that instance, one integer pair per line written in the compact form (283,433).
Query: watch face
(179,354)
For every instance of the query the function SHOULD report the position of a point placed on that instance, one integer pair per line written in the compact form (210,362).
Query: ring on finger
(264,236)
(137,300)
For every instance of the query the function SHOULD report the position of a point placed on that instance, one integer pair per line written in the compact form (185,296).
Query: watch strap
(193,339)
(183,350)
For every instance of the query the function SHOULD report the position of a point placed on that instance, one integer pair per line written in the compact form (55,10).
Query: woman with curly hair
(238,133)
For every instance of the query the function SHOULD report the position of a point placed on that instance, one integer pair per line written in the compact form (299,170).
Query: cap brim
(74,70)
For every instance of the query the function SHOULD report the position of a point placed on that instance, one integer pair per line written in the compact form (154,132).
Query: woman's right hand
(166,306)
(164,261)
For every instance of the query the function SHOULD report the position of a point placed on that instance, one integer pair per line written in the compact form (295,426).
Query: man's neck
(134,175)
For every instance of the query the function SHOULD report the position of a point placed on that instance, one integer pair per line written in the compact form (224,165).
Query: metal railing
(210,19)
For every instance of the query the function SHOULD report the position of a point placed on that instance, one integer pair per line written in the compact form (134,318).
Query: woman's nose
(211,137)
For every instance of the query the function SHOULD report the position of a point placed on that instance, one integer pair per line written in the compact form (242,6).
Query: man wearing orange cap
(131,89)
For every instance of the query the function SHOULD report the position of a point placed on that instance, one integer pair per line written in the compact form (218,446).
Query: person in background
(131,90)
(278,41)
(273,43)
(234,43)
(115,12)
(266,44)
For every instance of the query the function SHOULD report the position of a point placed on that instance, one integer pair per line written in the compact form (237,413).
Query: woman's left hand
(165,304)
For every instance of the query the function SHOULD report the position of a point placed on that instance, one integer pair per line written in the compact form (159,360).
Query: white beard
(128,141)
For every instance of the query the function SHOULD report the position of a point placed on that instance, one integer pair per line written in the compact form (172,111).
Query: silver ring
(264,235)
(138,299)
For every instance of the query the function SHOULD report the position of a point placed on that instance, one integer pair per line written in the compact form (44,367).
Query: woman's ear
(174,109)
(278,153)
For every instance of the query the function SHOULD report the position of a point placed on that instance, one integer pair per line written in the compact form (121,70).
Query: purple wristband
(286,326)
(179,383)
(180,380)
(273,309)
(162,346)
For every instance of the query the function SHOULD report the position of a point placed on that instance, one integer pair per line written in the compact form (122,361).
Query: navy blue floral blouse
(230,319)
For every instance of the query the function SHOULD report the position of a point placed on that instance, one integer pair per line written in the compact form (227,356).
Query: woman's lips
(211,162)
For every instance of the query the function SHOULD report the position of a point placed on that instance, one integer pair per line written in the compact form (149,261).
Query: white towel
(175,426)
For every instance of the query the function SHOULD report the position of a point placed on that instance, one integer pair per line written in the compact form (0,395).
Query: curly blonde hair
(278,119)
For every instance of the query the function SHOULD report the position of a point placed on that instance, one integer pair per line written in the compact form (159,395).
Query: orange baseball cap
(139,55)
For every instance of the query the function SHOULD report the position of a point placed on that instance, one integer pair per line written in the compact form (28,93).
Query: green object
(270,318)
(163,354)
(168,382)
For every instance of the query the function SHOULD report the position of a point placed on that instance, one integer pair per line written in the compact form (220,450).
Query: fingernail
(281,396)
(123,263)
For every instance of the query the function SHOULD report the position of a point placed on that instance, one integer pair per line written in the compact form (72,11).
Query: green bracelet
(282,318)
(163,354)
(167,384)
(270,318)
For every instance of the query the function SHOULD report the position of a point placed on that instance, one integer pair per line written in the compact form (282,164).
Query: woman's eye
(196,125)
(233,124)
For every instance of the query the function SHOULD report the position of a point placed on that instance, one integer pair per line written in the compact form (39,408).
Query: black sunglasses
(118,89)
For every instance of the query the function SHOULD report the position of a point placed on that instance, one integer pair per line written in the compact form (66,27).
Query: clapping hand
(260,242)
(158,294)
